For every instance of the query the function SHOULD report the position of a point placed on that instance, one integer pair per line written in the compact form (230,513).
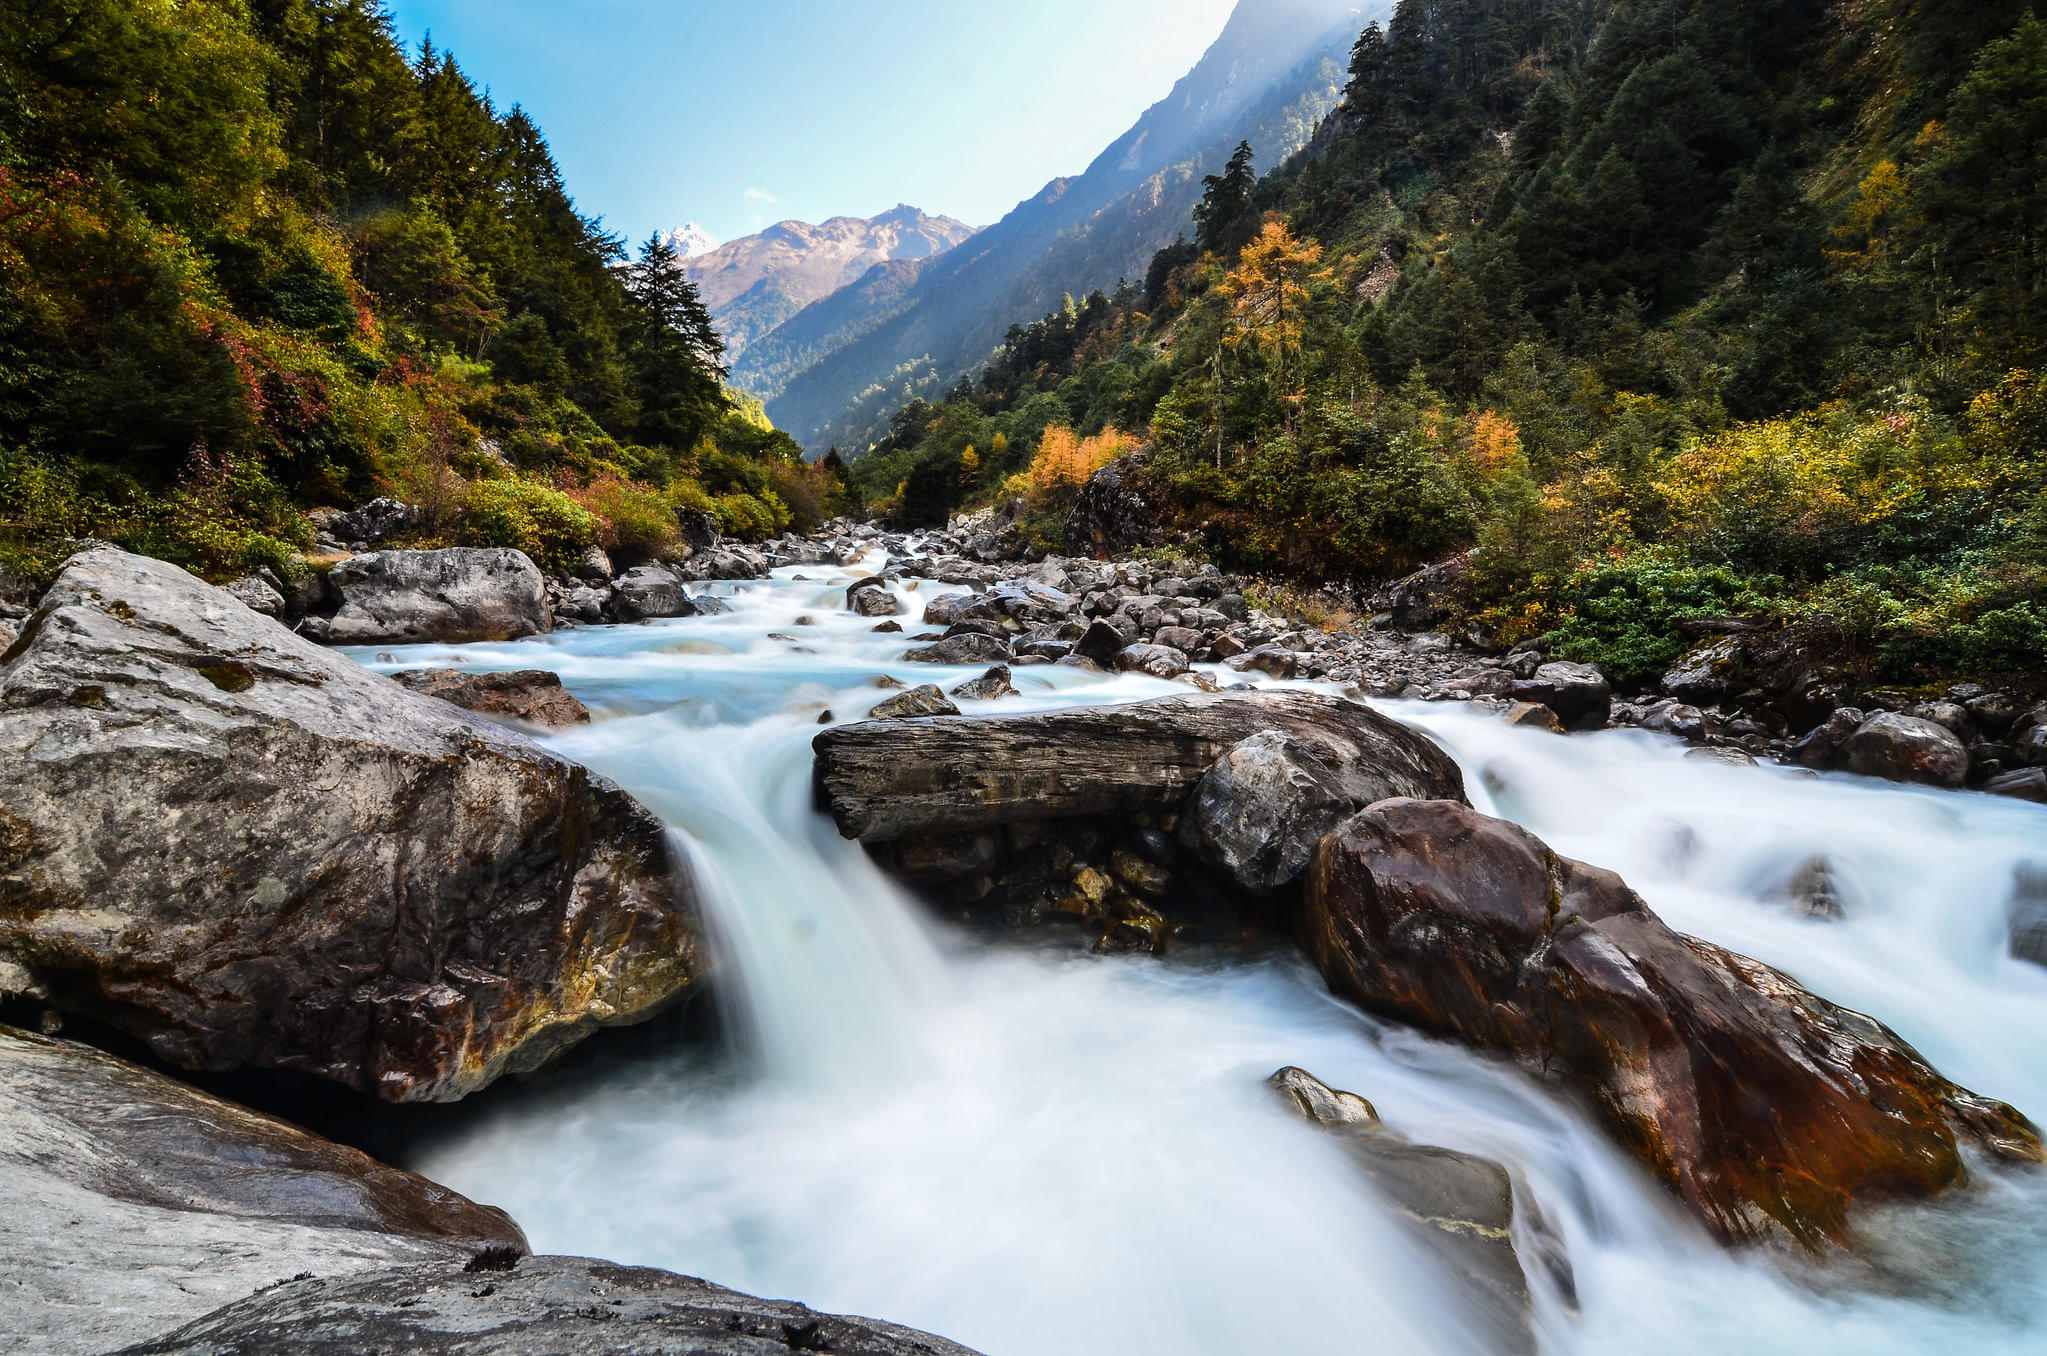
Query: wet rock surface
(884,782)
(294,863)
(1767,1110)
(524,697)
(1461,1206)
(130,1203)
(455,597)
(561,1306)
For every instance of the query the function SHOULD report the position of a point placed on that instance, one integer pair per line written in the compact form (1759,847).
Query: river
(1041,1152)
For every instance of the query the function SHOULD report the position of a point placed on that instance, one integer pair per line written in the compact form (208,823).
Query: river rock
(1104,639)
(130,1203)
(1907,749)
(2025,784)
(256,594)
(291,862)
(1428,597)
(1115,511)
(1461,1206)
(1157,661)
(1535,716)
(1578,693)
(1767,1110)
(456,597)
(1259,812)
(886,781)
(542,1306)
(948,608)
(529,696)
(990,686)
(2026,913)
(928,700)
(724,562)
(649,592)
(871,598)
(966,648)
(1707,674)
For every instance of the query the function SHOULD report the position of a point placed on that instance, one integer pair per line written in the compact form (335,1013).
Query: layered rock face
(893,781)
(1769,1111)
(247,850)
(130,1204)
(1186,815)
(561,1306)
(458,596)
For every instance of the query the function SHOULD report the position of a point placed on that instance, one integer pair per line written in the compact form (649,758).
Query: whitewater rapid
(1040,1152)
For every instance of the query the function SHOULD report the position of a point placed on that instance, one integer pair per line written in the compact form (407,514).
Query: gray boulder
(993,684)
(291,862)
(1158,661)
(871,598)
(256,594)
(928,700)
(373,522)
(1907,749)
(1707,674)
(130,1203)
(454,597)
(1260,811)
(1578,693)
(526,697)
(725,562)
(2026,913)
(966,648)
(542,1306)
(888,781)
(648,592)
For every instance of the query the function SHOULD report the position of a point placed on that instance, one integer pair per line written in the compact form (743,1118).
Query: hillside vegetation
(254,257)
(1662,310)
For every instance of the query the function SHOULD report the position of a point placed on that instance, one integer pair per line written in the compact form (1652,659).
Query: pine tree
(1226,220)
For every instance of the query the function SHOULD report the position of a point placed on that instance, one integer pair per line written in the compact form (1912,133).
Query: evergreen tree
(1227,219)
(677,351)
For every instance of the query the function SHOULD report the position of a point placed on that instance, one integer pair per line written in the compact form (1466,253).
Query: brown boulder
(1767,1110)
(529,697)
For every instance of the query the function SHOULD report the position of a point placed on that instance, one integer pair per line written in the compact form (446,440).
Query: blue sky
(740,114)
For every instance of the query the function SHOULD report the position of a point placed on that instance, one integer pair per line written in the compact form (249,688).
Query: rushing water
(1039,1152)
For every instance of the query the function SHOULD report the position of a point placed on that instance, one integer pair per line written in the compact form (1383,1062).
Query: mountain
(689,240)
(1269,79)
(754,284)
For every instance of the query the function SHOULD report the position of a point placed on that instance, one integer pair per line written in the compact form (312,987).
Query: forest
(257,257)
(1646,311)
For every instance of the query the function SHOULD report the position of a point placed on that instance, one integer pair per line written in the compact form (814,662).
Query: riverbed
(1038,1151)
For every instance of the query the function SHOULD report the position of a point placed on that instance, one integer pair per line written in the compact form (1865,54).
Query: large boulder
(1261,809)
(454,597)
(1907,749)
(247,850)
(648,593)
(1767,1110)
(526,697)
(884,781)
(130,1204)
(1115,512)
(1707,674)
(542,1306)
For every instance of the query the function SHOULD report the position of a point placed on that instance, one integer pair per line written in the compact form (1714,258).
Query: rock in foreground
(1462,1206)
(454,597)
(291,862)
(130,1203)
(560,1306)
(1769,1111)
(889,781)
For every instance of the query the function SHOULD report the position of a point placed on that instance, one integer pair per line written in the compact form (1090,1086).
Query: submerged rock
(1461,1205)
(560,1306)
(1767,1110)
(529,696)
(291,862)
(130,1203)
(454,597)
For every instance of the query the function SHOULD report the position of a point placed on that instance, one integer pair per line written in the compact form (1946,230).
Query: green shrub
(751,517)
(1622,615)
(551,528)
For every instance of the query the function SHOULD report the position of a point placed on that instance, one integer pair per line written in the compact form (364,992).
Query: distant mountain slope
(1269,78)
(754,284)
(689,240)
